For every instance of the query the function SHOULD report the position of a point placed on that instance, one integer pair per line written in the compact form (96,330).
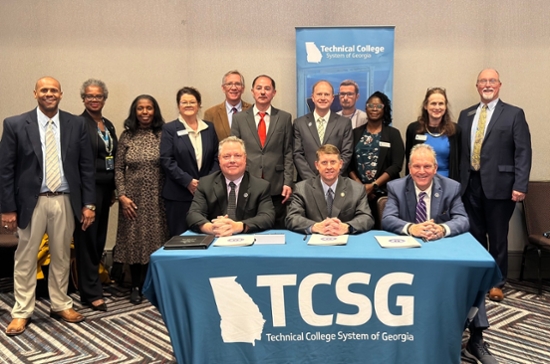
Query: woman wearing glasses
(89,244)
(378,151)
(188,151)
(435,127)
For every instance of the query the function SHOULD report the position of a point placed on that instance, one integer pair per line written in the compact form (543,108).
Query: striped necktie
(53,172)
(232,202)
(421,212)
(321,129)
(330,200)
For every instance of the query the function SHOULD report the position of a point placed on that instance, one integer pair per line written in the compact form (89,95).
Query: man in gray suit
(429,206)
(267,135)
(329,204)
(321,127)
(47,183)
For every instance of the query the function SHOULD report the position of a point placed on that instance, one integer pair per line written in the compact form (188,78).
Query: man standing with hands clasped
(47,184)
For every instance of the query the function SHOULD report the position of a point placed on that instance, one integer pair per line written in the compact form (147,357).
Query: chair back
(536,207)
(381,204)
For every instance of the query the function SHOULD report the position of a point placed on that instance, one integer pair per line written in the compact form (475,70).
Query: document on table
(269,239)
(397,241)
(318,239)
(235,240)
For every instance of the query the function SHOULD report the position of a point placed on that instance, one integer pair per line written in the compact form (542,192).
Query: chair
(536,208)
(381,204)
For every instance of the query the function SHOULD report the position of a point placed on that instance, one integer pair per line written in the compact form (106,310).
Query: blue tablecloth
(296,303)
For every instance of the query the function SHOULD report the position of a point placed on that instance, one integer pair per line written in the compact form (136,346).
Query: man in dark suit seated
(429,206)
(231,201)
(329,204)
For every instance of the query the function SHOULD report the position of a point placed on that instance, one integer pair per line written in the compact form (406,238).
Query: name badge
(422,137)
(182,132)
(385,145)
(109,163)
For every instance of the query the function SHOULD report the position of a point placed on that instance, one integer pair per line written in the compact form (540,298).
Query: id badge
(109,163)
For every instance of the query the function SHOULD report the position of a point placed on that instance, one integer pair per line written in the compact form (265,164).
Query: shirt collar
(256,111)
(43,119)
(317,117)
(427,190)
(326,187)
(229,107)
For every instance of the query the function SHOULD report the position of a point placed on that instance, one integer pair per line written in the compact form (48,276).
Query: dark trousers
(280,211)
(89,246)
(176,216)
(489,221)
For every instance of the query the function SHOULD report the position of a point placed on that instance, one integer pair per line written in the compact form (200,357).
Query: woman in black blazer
(89,244)
(378,151)
(436,128)
(188,151)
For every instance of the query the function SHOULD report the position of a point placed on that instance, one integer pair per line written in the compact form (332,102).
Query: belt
(52,194)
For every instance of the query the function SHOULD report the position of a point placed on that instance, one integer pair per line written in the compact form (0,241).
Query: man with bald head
(494,168)
(47,185)
(318,128)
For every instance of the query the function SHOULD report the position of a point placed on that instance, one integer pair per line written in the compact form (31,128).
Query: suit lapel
(340,196)
(222,113)
(494,118)
(312,126)
(330,125)
(273,118)
(184,143)
(65,131)
(251,122)
(435,203)
(319,197)
(34,136)
(410,196)
(242,199)
(470,120)
(220,191)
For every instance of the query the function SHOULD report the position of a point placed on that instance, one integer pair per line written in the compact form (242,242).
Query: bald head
(48,94)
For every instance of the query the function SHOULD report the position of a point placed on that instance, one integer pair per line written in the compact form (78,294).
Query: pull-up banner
(335,54)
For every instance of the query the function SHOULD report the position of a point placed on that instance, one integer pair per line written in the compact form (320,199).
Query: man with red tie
(267,135)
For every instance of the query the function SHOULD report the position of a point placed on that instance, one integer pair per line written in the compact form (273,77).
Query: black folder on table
(189,242)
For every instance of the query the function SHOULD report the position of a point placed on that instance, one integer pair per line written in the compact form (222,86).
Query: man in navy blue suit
(36,200)
(442,215)
(494,168)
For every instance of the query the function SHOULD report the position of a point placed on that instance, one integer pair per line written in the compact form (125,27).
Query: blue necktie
(421,214)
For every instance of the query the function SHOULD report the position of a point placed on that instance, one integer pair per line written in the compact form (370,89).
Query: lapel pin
(309,124)
(342,194)
(436,194)
(245,195)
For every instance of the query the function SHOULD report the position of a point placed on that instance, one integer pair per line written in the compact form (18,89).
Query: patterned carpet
(520,331)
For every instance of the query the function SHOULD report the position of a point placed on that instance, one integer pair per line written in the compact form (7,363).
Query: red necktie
(261,129)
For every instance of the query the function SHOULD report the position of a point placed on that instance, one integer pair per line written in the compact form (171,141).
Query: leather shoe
(100,307)
(17,326)
(495,294)
(68,315)
(477,351)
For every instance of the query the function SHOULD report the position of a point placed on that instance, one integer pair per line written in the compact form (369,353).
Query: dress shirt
(42,126)
(267,117)
(195,138)
(326,118)
(490,109)
(229,107)
(358,118)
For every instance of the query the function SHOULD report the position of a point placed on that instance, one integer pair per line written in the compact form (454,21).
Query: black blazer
(390,160)
(91,125)
(454,145)
(178,159)
(22,170)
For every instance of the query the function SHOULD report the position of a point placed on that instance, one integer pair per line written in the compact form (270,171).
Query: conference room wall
(158,46)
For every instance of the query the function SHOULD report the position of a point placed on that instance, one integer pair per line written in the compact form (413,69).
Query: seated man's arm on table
(263,217)
(363,220)
(296,219)
(454,218)
(197,217)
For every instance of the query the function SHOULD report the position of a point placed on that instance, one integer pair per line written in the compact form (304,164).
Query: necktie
(421,215)
(330,200)
(234,110)
(232,202)
(262,128)
(321,129)
(53,172)
(478,141)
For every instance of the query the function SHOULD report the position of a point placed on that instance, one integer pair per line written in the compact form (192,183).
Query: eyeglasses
(233,84)
(227,157)
(190,103)
(94,97)
(491,81)
(375,106)
(348,94)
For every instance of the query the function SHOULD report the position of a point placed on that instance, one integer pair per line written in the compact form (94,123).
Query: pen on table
(424,240)
(305,237)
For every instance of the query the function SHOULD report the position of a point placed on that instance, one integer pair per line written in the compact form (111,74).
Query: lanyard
(106,137)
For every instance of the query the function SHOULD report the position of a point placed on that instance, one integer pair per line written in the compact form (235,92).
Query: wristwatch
(374,185)
(90,207)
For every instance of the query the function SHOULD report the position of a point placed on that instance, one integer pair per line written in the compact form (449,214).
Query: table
(296,303)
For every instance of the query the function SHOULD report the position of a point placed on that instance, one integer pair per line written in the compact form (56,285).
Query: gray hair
(232,139)
(233,72)
(423,148)
(94,82)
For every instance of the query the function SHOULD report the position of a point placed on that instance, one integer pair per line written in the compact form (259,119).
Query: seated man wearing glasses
(329,204)
(231,201)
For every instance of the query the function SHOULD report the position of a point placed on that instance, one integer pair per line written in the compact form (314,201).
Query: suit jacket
(505,153)
(274,160)
(455,143)
(218,116)
(445,207)
(390,160)
(306,142)
(21,165)
(308,205)
(254,206)
(91,126)
(179,161)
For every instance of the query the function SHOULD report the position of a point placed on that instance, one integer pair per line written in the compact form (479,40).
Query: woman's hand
(129,208)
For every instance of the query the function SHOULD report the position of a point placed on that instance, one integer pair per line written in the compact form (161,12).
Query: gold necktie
(53,173)
(480,133)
